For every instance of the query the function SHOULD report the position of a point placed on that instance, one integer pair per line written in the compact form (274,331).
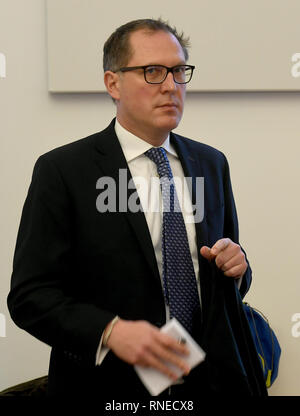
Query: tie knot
(157,155)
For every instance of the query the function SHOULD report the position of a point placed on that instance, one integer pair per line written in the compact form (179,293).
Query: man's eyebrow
(153,64)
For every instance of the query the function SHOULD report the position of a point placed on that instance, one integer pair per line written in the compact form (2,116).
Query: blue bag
(266,343)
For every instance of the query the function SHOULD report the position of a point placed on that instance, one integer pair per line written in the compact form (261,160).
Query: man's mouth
(168,105)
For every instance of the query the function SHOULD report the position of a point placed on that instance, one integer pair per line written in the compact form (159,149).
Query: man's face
(151,111)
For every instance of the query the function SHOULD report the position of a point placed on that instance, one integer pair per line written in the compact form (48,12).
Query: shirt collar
(134,146)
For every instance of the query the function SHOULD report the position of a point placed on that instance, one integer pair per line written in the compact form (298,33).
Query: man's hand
(139,342)
(228,256)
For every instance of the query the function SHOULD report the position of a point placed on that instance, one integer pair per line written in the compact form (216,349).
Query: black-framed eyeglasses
(156,74)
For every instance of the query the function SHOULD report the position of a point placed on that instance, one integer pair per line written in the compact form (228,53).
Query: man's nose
(169,83)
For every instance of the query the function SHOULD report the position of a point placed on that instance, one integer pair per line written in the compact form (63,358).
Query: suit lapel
(193,168)
(110,159)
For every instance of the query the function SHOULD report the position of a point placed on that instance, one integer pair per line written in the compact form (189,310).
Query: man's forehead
(143,40)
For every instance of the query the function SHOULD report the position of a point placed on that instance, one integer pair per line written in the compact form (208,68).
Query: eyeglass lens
(156,74)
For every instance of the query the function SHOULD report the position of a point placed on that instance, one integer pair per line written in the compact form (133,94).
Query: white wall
(229,54)
(259,133)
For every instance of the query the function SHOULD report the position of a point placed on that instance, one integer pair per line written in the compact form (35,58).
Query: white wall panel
(237,45)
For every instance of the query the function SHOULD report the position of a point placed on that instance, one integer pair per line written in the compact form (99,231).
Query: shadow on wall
(33,388)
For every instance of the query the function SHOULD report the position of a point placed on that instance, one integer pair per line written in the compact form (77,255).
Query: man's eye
(180,69)
(152,70)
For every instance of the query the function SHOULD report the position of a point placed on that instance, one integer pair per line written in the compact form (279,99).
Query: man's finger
(154,362)
(226,265)
(169,342)
(169,356)
(220,245)
(236,272)
(206,253)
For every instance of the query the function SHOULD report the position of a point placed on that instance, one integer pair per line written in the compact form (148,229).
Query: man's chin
(168,123)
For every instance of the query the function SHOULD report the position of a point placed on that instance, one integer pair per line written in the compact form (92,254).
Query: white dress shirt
(145,177)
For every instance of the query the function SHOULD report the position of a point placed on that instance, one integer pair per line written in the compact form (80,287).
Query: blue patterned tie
(180,286)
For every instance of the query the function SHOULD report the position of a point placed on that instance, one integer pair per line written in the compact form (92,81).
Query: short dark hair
(116,50)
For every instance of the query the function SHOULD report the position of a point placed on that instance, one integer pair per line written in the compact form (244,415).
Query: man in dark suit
(87,276)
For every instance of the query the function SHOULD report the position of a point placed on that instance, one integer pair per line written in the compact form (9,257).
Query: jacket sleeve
(39,300)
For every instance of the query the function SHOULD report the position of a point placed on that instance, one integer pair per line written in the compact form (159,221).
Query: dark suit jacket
(76,268)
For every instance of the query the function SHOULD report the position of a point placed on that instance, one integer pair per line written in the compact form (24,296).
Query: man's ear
(111,81)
